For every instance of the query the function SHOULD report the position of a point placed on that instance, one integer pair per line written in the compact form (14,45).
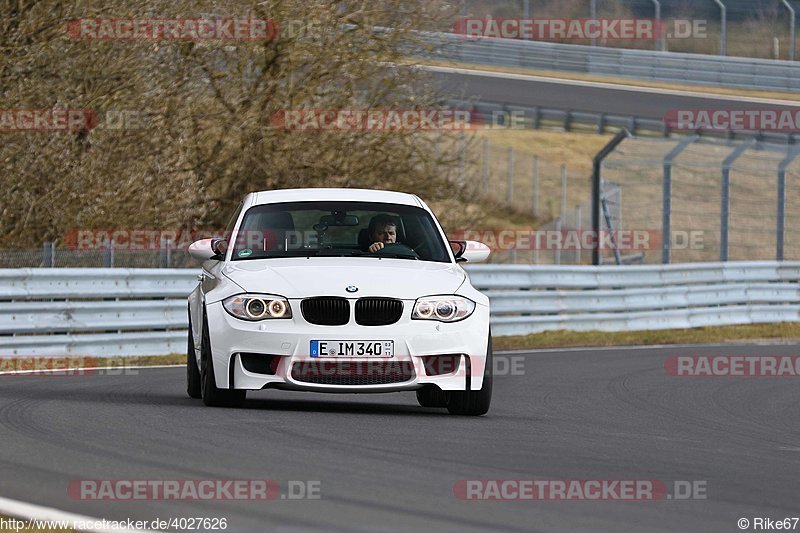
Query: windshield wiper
(253,257)
(396,256)
(335,253)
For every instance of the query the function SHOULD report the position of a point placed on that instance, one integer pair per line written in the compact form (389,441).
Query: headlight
(443,308)
(255,307)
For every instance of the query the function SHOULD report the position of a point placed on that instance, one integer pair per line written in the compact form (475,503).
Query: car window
(300,229)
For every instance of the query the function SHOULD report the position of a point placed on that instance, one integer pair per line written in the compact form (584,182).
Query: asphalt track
(579,96)
(386,464)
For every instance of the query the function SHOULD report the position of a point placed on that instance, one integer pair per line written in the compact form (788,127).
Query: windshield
(338,229)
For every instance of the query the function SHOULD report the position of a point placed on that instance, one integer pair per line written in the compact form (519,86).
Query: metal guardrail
(112,312)
(532,299)
(748,73)
(502,115)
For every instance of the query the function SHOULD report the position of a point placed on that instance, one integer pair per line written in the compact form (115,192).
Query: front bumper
(291,339)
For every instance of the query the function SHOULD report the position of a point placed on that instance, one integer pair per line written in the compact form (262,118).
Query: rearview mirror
(206,249)
(338,219)
(470,251)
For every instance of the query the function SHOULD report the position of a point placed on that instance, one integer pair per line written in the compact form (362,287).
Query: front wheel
(213,396)
(474,403)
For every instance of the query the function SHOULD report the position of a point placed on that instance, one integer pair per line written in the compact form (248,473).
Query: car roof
(339,194)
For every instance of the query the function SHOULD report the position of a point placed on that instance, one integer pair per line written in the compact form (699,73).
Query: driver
(382,231)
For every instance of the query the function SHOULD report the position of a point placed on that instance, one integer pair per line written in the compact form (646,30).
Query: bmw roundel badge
(351,288)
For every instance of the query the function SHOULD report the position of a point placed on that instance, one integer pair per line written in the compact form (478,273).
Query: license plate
(352,348)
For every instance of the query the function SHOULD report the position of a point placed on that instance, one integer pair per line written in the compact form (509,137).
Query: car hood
(329,276)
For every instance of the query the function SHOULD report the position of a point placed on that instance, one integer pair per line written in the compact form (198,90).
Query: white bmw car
(339,290)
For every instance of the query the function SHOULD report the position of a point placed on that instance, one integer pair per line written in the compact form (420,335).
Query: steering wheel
(398,248)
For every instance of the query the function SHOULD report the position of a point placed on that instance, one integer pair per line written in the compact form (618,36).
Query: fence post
(578,224)
(666,201)
(662,35)
(781,211)
(792,37)
(108,254)
(593,16)
(164,252)
(536,186)
(557,250)
(48,254)
(725,210)
(723,35)
(485,165)
(510,174)
(462,159)
(597,165)
(563,214)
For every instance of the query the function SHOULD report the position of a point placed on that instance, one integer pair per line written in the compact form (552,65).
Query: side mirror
(470,251)
(207,249)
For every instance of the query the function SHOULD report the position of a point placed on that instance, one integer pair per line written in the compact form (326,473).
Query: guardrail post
(537,118)
(723,35)
(792,35)
(593,16)
(567,120)
(601,123)
(725,209)
(781,211)
(597,165)
(666,202)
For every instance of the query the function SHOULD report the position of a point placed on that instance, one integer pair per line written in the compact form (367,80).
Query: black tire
(193,388)
(474,403)
(432,396)
(212,396)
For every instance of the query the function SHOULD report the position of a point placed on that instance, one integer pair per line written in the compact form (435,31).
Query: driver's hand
(375,246)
